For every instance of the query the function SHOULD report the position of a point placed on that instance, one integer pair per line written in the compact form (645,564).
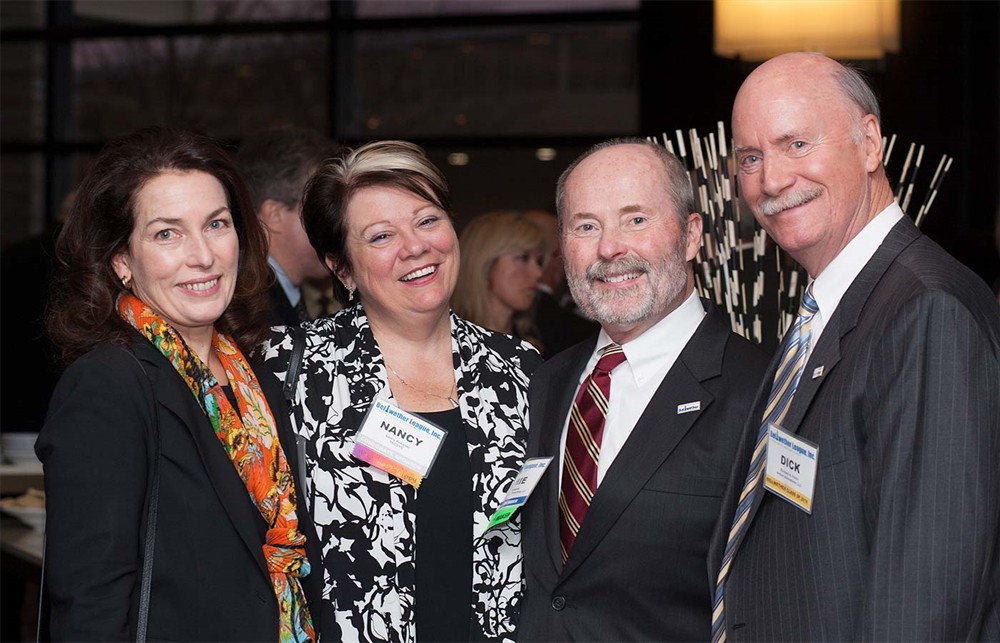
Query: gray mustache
(770,207)
(604,269)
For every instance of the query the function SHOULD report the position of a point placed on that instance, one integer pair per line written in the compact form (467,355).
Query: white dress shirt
(839,274)
(648,358)
(292,291)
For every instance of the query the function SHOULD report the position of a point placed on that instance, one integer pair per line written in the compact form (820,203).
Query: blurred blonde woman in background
(502,257)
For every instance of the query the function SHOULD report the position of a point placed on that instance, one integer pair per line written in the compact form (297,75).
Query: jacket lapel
(656,434)
(174,395)
(828,350)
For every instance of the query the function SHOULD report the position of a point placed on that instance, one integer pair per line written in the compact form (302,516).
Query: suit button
(261,596)
(558,603)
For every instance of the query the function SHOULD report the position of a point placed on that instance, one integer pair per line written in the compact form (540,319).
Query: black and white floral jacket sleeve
(365,517)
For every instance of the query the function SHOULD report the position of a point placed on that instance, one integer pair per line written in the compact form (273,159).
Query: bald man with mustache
(864,502)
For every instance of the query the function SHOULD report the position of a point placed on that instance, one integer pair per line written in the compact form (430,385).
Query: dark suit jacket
(559,328)
(282,311)
(210,581)
(638,570)
(902,541)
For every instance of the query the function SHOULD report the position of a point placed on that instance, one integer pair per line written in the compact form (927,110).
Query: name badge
(398,442)
(525,482)
(690,407)
(791,467)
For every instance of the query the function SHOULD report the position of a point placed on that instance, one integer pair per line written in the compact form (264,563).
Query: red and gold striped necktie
(583,446)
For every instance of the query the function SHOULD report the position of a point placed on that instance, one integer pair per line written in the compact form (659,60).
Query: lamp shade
(760,29)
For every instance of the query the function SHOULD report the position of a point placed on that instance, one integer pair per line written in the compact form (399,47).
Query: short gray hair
(679,190)
(859,91)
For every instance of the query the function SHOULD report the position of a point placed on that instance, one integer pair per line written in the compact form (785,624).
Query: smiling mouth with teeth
(205,285)
(617,279)
(416,274)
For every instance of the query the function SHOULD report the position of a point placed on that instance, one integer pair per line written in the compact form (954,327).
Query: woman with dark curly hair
(172,509)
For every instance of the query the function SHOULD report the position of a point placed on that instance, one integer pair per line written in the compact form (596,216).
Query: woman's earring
(350,293)
(127,283)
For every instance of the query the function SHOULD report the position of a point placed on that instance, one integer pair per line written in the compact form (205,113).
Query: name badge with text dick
(398,442)
(524,483)
(791,467)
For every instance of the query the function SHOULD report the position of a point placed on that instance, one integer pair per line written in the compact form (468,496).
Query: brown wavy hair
(82,311)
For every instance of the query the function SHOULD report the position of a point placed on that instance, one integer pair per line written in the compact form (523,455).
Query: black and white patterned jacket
(365,517)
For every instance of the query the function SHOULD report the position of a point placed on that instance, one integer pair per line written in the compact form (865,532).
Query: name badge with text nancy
(791,467)
(398,442)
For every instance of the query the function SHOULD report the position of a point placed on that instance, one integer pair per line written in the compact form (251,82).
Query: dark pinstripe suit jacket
(902,543)
(637,571)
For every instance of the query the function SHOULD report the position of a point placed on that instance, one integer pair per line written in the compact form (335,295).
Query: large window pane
(226,86)
(495,81)
(182,12)
(22,101)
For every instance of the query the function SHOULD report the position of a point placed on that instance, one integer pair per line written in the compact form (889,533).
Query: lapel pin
(817,372)
(688,408)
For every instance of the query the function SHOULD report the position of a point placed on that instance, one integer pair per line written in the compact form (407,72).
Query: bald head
(812,66)
(822,74)
(808,146)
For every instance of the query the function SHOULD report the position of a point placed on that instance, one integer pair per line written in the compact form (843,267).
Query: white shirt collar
(292,291)
(653,352)
(837,277)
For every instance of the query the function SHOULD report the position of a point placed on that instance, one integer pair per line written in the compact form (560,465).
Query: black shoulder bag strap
(294,364)
(288,389)
(152,499)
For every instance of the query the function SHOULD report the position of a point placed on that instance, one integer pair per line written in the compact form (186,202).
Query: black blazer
(282,311)
(638,570)
(902,542)
(210,580)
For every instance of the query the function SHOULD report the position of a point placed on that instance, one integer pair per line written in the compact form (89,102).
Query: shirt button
(558,603)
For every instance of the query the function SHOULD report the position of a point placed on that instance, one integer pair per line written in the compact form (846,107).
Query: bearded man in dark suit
(641,420)
(890,530)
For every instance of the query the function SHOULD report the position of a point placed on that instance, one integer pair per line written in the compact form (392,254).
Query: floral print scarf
(250,440)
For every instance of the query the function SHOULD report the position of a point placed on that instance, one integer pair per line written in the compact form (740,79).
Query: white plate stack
(18,448)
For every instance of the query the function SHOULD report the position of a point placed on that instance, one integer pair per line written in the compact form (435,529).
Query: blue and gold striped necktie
(786,380)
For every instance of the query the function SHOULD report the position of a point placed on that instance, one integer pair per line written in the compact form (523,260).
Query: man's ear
(341,272)
(872,141)
(273,214)
(695,228)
